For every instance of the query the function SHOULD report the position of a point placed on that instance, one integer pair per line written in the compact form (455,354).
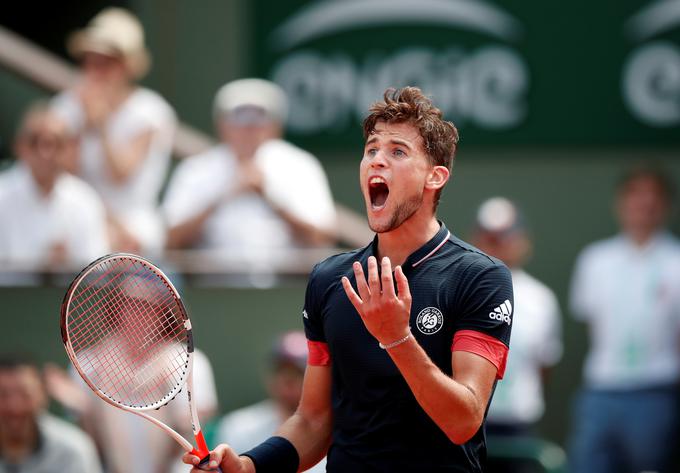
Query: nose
(378,160)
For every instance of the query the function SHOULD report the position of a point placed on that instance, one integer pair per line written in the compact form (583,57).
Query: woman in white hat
(126,131)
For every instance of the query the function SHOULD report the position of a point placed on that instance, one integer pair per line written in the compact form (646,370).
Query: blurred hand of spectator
(64,390)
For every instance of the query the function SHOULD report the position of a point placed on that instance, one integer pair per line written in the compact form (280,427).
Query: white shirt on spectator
(249,426)
(63,448)
(630,297)
(135,201)
(247,225)
(33,223)
(536,343)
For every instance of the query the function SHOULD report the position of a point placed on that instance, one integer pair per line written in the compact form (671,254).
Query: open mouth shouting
(378,192)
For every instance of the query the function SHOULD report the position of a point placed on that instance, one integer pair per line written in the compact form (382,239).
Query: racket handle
(203,464)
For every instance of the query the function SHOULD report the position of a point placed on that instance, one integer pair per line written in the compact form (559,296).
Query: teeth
(376,180)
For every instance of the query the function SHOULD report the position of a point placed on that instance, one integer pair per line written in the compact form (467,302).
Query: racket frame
(201,450)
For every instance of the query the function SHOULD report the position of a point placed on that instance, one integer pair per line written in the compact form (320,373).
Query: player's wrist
(274,455)
(247,465)
(397,341)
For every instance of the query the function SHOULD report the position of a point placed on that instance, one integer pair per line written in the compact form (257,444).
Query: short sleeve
(582,291)
(311,312)
(487,302)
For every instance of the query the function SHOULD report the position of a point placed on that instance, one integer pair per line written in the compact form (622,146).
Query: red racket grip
(202,452)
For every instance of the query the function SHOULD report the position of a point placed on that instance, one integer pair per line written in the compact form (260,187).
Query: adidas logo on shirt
(502,313)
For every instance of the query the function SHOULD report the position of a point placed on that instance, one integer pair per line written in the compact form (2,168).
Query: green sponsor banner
(512,73)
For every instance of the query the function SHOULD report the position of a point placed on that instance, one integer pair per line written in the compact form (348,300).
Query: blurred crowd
(91,166)
(93,160)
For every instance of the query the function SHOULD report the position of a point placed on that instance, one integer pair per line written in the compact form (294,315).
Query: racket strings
(127,331)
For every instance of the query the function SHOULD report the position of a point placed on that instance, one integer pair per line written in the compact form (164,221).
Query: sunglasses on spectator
(248,116)
(39,140)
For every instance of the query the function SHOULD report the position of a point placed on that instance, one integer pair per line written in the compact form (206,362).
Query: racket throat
(201,450)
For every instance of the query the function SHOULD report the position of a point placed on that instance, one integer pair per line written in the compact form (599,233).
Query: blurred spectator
(254,193)
(126,131)
(536,344)
(31,440)
(249,426)
(627,289)
(48,217)
(128,443)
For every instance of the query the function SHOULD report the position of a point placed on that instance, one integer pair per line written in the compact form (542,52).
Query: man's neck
(642,237)
(400,243)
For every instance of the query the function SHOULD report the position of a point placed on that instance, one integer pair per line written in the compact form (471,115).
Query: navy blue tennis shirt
(462,300)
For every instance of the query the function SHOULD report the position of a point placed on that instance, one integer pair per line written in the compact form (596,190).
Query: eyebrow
(394,141)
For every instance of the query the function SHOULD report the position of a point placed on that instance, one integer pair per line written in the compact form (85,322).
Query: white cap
(499,215)
(252,93)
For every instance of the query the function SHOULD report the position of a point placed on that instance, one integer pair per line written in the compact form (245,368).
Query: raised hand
(385,313)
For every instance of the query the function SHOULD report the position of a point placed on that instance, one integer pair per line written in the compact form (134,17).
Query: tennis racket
(127,333)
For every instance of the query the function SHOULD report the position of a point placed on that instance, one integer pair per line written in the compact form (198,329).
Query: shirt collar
(424,252)
(652,244)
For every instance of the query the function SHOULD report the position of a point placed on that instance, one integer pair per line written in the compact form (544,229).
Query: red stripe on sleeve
(319,354)
(483,345)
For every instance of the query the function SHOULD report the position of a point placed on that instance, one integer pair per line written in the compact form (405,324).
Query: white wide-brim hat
(113,32)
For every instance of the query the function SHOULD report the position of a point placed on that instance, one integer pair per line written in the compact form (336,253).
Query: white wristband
(395,343)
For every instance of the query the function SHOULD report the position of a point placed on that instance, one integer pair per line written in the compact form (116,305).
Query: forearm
(187,233)
(310,435)
(310,234)
(122,161)
(455,407)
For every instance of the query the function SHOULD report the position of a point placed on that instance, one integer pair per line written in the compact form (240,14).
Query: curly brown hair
(410,105)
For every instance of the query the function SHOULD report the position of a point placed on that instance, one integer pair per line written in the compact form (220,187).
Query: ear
(437,178)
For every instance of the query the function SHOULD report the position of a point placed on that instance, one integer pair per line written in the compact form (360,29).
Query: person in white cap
(518,403)
(254,195)
(247,427)
(126,131)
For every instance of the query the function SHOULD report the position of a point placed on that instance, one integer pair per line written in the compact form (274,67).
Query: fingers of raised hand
(402,285)
(362,286)
(386,277)
(373,277)
(351,294)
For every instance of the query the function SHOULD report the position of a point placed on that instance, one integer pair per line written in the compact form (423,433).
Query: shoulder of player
(335,266)
(471,258)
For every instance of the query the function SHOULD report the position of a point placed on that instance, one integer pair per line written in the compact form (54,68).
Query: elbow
(461,433)
(461,437)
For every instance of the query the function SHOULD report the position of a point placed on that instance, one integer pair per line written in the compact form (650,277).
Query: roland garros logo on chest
(430,320)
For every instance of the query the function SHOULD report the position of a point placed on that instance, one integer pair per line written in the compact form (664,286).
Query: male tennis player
(399,378)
